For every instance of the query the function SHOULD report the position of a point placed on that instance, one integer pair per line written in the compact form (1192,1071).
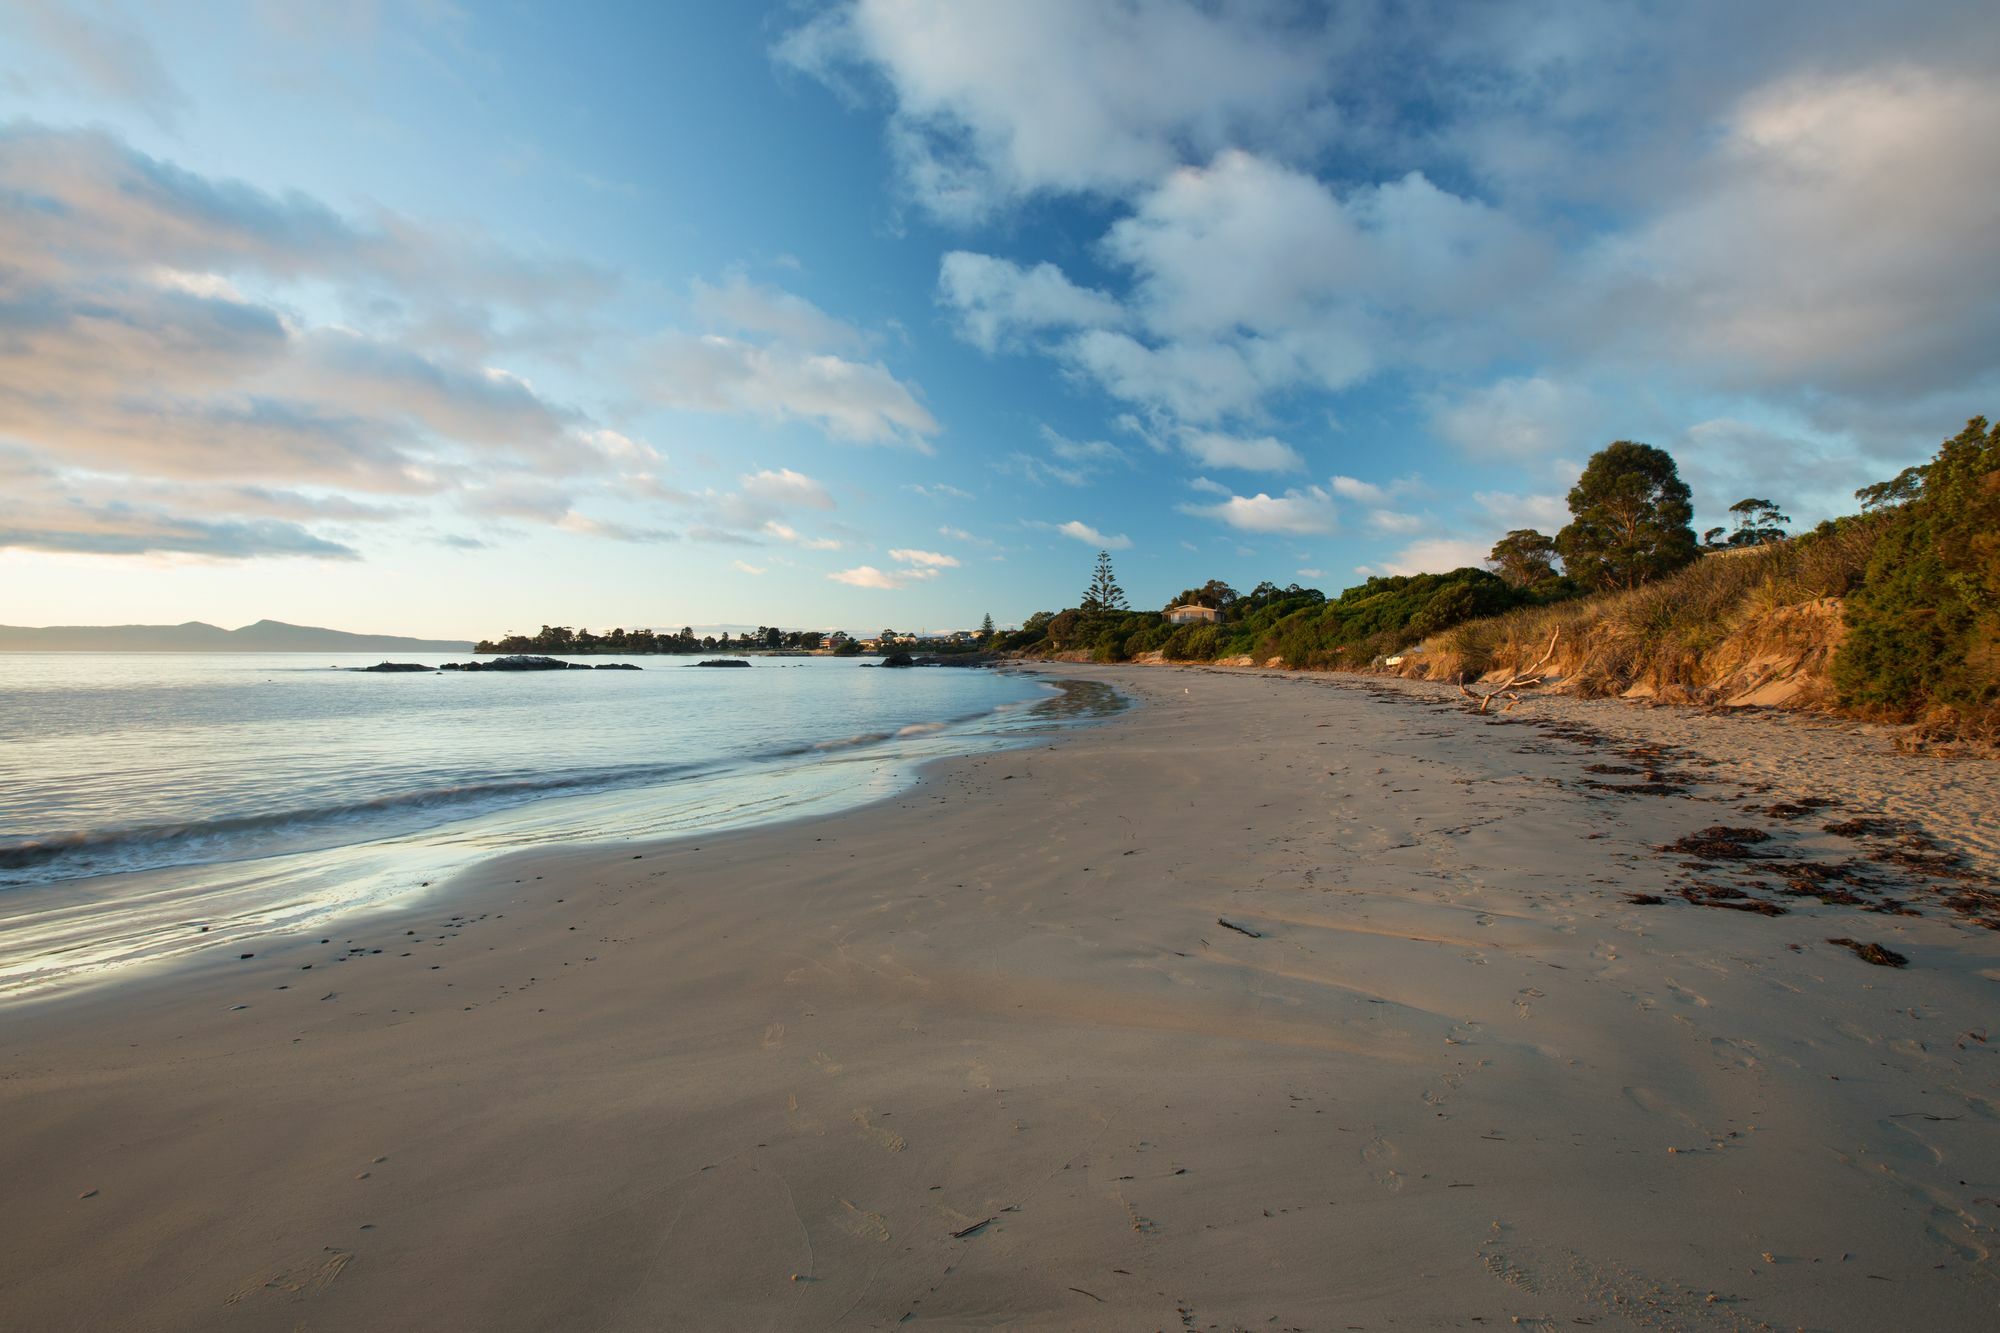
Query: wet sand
(1276,1002)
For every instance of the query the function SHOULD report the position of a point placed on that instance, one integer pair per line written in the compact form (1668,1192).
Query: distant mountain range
(266,636)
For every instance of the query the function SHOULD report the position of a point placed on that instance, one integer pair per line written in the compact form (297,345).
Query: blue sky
(458,318)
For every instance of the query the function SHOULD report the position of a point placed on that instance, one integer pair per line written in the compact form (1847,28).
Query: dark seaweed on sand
(1871,952)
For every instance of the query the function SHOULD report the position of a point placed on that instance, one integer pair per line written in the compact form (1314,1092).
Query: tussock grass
(1724,625)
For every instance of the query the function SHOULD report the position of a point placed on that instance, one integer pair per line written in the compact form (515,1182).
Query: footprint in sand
(861,1223)
(1740,1054)
(1686,996)
(877,1134)
(774,1037)
(825,1063)
(1380,1156)
(307,1278)
(797,1120)
(1509,1272)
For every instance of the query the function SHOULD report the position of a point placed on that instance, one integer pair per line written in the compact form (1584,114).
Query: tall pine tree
(1103,597)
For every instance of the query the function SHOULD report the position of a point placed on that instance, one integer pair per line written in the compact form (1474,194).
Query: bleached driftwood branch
(1520,680)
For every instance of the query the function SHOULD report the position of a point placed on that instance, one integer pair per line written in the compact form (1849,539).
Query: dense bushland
(1295,626)
(1891,613)
(1923,641)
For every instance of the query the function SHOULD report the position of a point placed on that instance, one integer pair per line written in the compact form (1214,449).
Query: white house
(1191,614)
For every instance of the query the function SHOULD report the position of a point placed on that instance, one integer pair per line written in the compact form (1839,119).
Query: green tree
(986,626)
(1900,489)
(1065,628)
(1524,557)
(1758,523)
(1214,593)
(1629,515)
(1103,595)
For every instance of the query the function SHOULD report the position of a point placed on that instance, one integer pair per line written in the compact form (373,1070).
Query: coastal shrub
(1063,629)
(1147,638)
(1382,616)
(1923,637)
(1193,643)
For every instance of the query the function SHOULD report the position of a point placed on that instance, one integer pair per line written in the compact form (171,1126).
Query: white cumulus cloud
(1305,511)
(929,559)
(1077,530)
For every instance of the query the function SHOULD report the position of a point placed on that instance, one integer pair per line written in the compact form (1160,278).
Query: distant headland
(266,636)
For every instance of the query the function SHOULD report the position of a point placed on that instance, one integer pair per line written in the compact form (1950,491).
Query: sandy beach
(1275,1002)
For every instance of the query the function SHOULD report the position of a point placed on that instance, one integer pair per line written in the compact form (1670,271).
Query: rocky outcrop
(395,666)
(521,663)
(937,660)
(723,662)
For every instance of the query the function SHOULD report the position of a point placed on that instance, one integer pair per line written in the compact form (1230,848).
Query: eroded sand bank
(988,1053)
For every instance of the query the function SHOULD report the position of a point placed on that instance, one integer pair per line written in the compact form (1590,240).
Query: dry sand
(987,1054)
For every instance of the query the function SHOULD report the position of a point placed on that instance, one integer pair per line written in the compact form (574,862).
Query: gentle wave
(153,846)
(102,843)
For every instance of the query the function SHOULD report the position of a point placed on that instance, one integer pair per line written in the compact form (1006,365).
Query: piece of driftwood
(1520,680)
(1240,930)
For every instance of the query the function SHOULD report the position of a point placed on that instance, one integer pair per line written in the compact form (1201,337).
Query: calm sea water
(151,804)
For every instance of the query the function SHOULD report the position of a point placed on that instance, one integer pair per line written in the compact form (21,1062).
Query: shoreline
(1273,997)
(77,932)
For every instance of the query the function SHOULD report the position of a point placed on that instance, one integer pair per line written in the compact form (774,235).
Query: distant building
(1194,615)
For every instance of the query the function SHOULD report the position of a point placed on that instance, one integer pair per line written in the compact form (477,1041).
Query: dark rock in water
(724,662)
(394,666)
(517,663)
(936,660)
(618,666)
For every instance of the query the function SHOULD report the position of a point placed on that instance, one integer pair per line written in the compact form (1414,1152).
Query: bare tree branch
(1519,680)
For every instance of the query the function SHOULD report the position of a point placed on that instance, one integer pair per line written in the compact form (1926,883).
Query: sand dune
(987,1054)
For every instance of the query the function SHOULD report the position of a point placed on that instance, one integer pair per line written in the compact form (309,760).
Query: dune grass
(1683,637)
